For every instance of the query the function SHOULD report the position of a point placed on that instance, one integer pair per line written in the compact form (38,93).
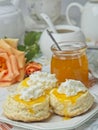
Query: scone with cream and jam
(31,101)
(71,98)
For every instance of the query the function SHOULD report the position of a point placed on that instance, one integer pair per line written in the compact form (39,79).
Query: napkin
(4,126)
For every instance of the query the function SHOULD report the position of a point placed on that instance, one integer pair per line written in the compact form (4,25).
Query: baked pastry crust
(70,108)
(20,111)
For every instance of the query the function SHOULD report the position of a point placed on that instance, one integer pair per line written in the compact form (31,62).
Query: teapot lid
(6,7)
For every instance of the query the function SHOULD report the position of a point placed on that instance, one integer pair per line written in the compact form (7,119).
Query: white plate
(54,123)
(92,45)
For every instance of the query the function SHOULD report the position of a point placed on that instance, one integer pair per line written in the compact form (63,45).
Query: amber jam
(71,62)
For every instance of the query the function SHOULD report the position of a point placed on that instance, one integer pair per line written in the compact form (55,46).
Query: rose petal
(12,42)
(5,47)
(2,74)
(20,57)
(5,84)
(14,66)
(1,50)
(21,76)
(9,76)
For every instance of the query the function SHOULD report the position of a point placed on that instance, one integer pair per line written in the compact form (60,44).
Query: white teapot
(89,19)
(14,19)
(11,21)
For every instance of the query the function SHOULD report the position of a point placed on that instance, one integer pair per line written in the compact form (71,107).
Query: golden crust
(21,112)
(70,109)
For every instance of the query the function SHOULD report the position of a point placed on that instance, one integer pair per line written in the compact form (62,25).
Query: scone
(18,109)
(72,98)
(31,100)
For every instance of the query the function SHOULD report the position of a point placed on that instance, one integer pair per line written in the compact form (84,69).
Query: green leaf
(30,46)
(29,55)
(37,36)
(29,38)
(21,47)
(5,37)
(36,48)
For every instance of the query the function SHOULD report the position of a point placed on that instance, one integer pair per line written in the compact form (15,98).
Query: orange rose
(12,62)
(32,67)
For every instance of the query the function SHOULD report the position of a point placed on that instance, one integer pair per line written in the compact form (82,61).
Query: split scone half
(71,99)
(31,100)
(18,109)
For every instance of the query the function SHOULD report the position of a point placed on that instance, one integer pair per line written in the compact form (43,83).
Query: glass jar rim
(67,46)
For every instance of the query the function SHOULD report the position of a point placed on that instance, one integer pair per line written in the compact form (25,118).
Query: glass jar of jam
(71,62)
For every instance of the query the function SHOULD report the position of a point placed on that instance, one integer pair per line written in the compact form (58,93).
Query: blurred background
(54,10)
(74,13)
(20,16)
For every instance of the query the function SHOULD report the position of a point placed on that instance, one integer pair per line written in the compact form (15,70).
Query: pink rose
(12,62)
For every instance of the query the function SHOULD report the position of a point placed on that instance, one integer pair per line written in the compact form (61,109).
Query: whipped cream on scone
(38,82)
(46,81)
(71,98)
(71,87)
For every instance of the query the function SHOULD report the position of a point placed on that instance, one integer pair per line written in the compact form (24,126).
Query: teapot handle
(71,22)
